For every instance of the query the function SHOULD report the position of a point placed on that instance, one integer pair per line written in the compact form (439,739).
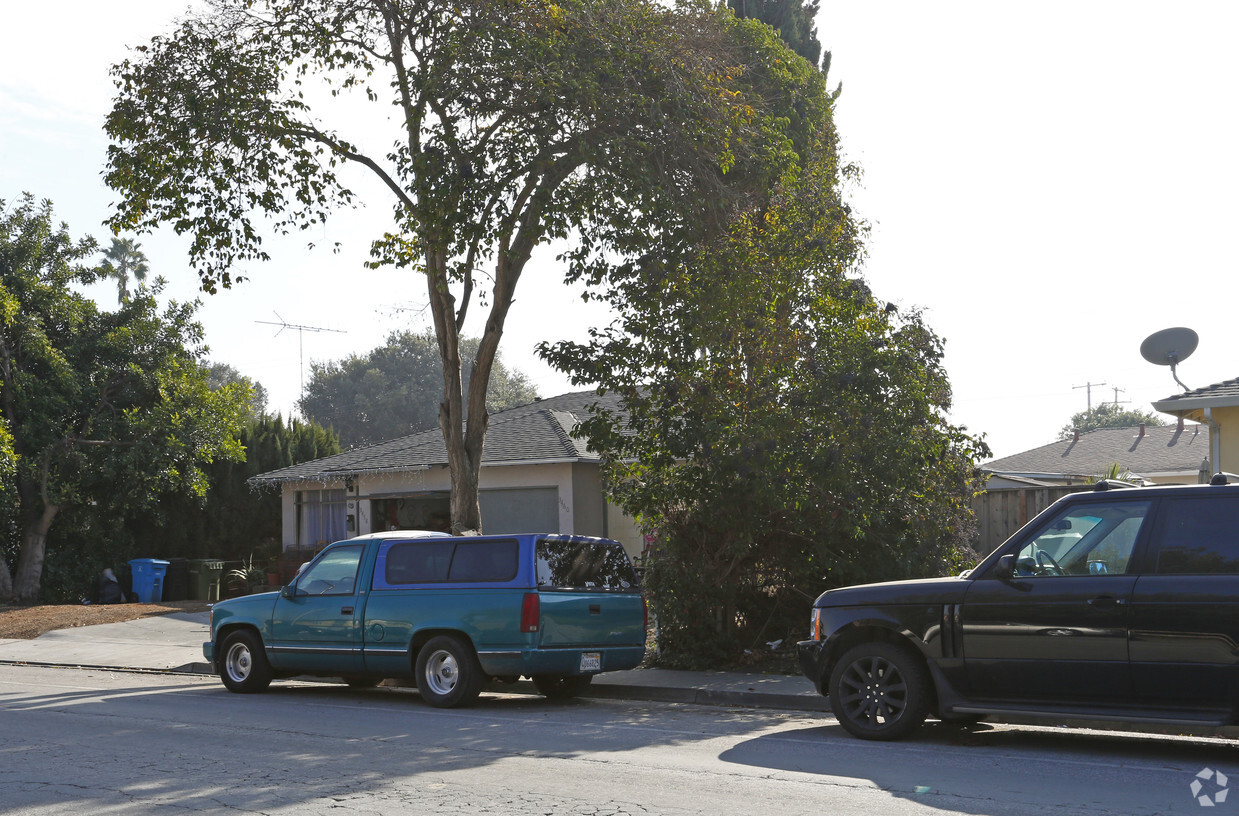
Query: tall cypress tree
(795,20)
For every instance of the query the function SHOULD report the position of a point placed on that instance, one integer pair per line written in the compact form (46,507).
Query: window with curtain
(320,517)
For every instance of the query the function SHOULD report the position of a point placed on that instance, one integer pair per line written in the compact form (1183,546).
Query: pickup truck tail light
(531,613)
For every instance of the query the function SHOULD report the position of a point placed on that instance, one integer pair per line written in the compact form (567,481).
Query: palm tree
(122,259)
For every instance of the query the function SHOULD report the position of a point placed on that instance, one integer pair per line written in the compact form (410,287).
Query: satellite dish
(1169,347)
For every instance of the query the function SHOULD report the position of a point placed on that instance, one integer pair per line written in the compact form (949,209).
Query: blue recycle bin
(148,575)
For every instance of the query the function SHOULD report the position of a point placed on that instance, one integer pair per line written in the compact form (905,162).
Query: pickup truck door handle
(348,610)
(1106,601)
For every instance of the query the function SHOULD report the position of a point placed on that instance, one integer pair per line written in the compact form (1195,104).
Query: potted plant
(249,573)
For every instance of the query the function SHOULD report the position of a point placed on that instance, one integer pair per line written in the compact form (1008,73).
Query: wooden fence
(1001,512)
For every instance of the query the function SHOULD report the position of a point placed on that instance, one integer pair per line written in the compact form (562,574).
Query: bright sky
(1051,182)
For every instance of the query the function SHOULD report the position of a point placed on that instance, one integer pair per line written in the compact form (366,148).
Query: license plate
(591,661)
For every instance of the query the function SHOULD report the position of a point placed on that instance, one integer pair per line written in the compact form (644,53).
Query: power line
(1090,386)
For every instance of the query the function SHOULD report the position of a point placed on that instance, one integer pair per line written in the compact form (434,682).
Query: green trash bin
(204,575)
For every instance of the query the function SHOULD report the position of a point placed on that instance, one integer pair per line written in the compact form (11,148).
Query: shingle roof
(538,432)
(1219,394)
(1162,449)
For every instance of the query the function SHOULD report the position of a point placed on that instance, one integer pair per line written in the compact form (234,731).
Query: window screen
(1199,536)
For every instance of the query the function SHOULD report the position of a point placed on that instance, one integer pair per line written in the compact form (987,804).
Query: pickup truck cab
(449,613)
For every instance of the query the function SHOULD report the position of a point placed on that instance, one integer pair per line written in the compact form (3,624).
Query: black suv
(1109,605)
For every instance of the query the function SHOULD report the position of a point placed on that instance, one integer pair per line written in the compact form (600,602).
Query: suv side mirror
(1004,570)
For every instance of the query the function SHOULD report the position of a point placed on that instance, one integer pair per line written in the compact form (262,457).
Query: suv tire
(880,691)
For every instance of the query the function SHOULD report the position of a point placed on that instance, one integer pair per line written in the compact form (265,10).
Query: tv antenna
(1169,347)
(301,330)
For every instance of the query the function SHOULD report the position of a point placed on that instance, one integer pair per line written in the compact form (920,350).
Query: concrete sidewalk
(173,643)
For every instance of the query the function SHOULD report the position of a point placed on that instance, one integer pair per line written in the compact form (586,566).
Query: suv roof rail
(1112,484)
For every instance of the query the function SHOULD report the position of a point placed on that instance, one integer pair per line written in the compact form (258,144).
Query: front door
(1058,628)
(316,625)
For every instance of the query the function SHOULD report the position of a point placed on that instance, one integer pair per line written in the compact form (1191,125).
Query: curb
(606,691)
(688,695)
(188,668)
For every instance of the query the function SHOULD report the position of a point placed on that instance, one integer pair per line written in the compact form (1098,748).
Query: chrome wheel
(448,673)
(243,665)
(442,672)
(239,662)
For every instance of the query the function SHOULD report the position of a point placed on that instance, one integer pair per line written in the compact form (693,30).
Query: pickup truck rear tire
(448,672)
(561,687)
(243,665)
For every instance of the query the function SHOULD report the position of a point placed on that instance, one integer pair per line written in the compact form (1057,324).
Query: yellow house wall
(1224,433)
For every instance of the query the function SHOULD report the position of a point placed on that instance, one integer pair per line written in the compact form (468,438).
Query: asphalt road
(74,741)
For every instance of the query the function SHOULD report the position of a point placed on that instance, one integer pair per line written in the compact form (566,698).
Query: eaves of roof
(1224,394)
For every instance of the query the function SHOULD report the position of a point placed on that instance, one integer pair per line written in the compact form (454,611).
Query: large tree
(107,407)
(1108,415)
(515,123)
(393,390)
(786,432)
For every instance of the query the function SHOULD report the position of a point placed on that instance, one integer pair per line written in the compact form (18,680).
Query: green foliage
(623,123)
(105,408)
(395,389)
(794,20)
(221,374)
(1108,415)
(787,431)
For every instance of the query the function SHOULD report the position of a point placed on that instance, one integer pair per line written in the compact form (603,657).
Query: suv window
(1199,536)
(1086,539)
(591,565)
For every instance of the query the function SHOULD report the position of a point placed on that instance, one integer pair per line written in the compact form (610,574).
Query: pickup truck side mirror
(287,591)
(1004,570)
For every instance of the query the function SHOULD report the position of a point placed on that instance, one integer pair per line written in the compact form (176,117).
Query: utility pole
(1118,391)
(1090,386)
(301,330)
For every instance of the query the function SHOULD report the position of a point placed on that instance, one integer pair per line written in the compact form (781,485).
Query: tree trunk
(27,581)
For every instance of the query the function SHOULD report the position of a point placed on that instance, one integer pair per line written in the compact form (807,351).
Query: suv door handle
(348,610)
(1105,601)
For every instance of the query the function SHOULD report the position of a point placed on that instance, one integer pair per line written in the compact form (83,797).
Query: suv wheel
(880,691)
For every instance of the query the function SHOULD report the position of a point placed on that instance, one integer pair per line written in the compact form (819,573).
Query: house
(1217,406)
(535,477)
(1158,454)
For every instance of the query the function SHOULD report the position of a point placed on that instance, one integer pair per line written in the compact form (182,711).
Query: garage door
(525,510)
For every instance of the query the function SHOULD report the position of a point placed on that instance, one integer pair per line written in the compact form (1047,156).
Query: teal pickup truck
(450,613)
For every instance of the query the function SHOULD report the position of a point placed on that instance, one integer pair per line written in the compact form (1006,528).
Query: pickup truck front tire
(448,672)
(243,665)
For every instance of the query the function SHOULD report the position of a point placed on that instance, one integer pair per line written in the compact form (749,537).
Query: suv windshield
(584,565)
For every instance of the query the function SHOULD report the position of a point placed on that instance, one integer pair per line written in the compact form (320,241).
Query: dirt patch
(25,622)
